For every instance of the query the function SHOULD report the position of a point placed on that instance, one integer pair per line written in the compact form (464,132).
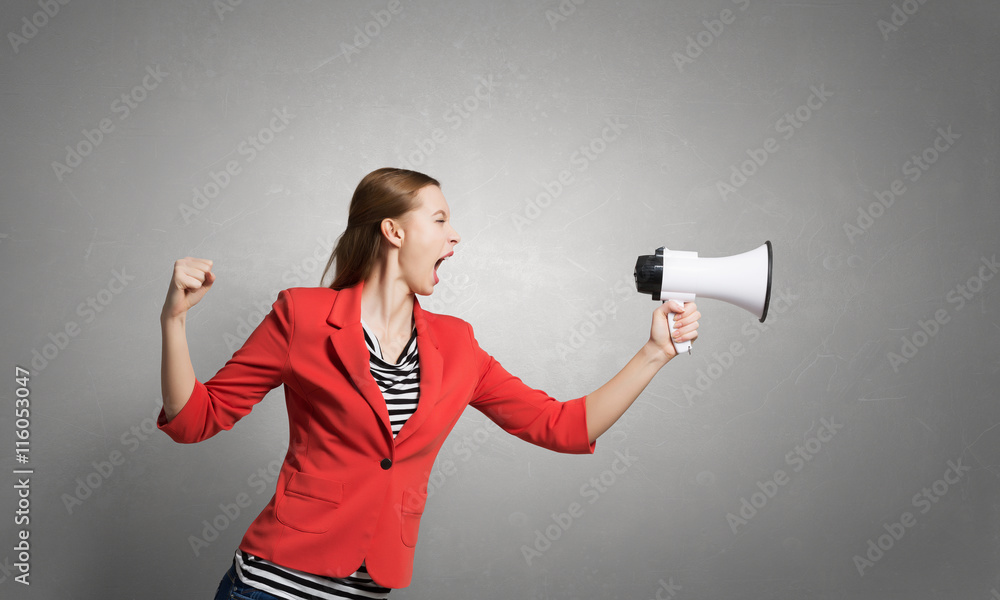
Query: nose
(455,237)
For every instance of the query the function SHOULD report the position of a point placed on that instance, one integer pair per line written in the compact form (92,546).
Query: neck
(386,301)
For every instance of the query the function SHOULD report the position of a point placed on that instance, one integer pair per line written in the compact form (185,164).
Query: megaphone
(742,279)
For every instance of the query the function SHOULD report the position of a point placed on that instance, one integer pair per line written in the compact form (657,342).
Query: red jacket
(348,491)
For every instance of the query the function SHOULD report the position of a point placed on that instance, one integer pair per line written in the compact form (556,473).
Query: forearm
(176,371)
(611,400)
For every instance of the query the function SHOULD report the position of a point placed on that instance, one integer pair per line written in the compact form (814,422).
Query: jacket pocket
(412,510)
(309,503)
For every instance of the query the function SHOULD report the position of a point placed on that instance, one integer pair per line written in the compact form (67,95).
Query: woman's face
(427,239)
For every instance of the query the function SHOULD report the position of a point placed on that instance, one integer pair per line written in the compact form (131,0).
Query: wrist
(655,354)
(174,321)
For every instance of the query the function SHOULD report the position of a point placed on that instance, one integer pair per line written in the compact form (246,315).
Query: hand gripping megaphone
(742,279)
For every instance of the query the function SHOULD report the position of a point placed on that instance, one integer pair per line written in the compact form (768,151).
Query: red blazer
(348,491)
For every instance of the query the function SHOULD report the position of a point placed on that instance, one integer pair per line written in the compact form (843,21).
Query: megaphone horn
(741,279)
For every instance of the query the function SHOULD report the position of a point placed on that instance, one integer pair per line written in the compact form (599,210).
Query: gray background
(551,296)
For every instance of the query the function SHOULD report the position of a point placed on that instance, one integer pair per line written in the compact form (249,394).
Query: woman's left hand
(685,323)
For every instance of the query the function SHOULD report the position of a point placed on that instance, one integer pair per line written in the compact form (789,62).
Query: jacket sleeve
(257,367)
(527,413)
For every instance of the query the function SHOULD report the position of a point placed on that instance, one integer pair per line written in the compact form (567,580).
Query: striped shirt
(400,385)
(399,382)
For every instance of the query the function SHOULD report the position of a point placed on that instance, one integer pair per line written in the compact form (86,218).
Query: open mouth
(442,259)
(439,262)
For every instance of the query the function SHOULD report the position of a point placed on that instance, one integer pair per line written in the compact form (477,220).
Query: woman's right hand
(192,278)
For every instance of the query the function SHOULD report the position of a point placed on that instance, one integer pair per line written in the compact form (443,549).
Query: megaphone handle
(684,346)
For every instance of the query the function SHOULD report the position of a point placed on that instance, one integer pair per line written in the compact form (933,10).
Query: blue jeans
(231,588)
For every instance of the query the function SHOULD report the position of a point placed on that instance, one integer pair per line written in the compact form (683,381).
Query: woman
(373,384)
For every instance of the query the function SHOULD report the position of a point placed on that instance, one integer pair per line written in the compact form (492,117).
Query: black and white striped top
(400,385)
(399,382)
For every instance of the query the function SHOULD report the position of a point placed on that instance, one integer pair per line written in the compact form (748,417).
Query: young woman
(373,384)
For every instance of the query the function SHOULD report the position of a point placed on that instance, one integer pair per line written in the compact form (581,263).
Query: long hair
(386,193)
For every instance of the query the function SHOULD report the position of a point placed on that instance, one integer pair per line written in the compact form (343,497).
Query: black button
(385,464)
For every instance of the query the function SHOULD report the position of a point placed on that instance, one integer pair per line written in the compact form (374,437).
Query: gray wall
(861,414)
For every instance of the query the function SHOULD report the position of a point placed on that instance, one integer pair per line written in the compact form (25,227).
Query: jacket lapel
(347,342)
(348,347)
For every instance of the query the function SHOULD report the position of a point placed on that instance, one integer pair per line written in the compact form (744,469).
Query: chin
(423,291)
(422,287)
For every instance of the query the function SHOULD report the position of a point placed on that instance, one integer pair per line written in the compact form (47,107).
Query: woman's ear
(392,232)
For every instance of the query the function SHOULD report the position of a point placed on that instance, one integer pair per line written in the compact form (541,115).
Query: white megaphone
(742,279)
